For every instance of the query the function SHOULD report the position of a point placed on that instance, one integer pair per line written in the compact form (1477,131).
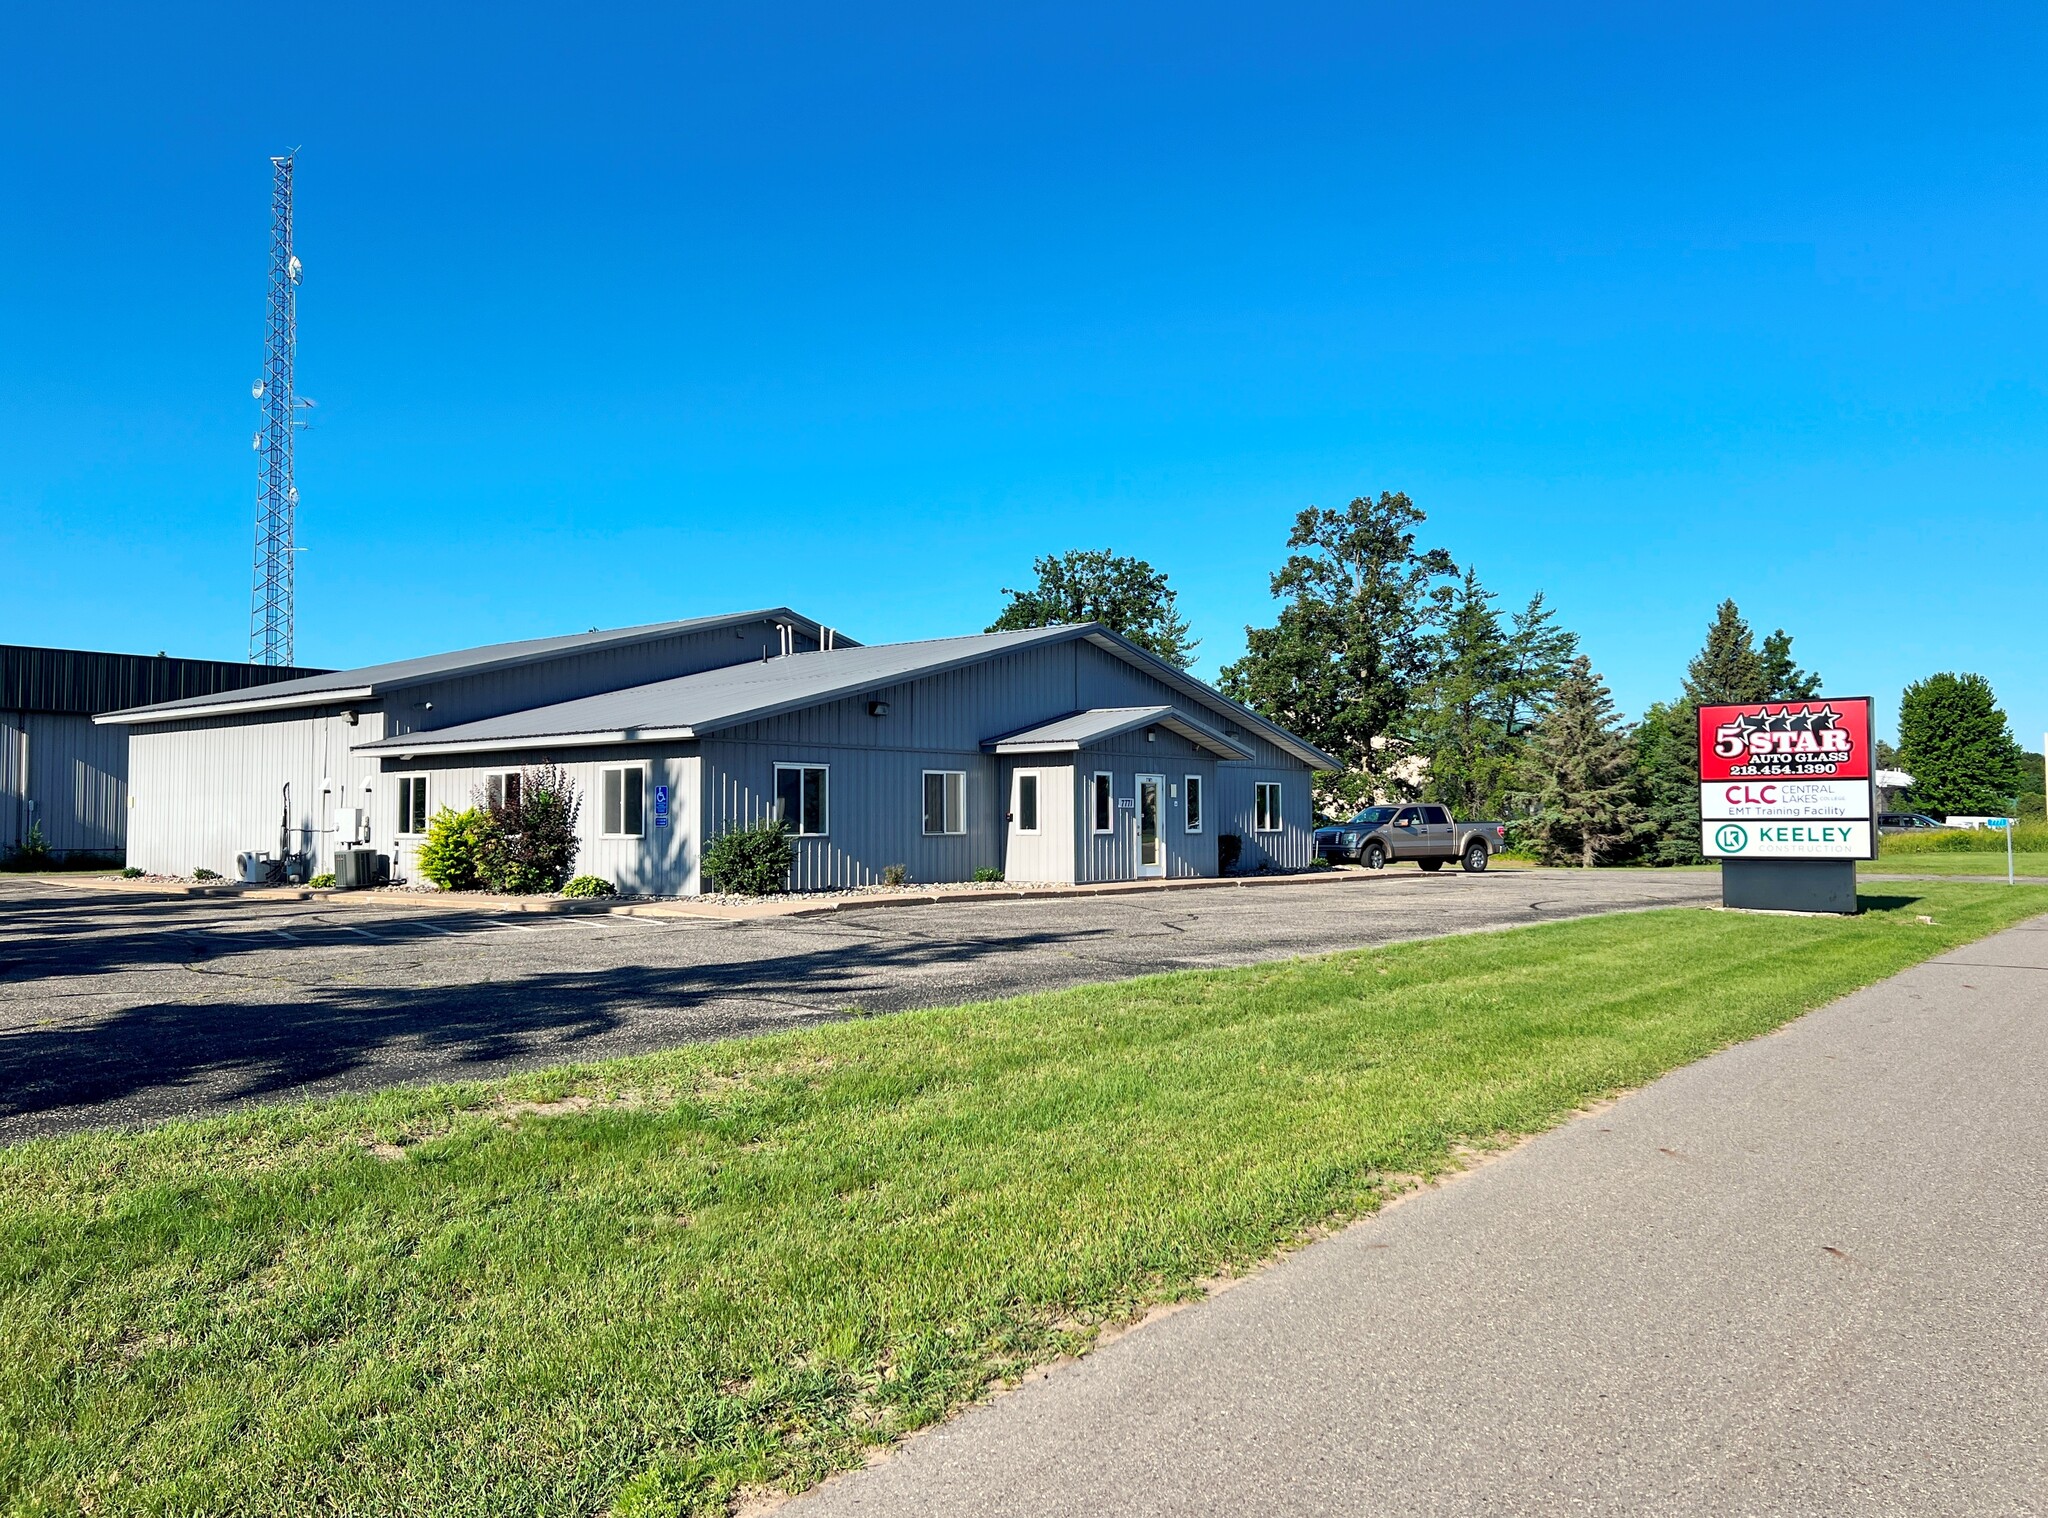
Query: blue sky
(614,316)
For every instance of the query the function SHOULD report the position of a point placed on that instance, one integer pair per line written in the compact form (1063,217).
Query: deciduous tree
(1955,742)
(1128,596)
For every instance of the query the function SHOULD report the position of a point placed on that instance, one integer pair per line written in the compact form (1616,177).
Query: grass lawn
(638,1287)
(1955,864)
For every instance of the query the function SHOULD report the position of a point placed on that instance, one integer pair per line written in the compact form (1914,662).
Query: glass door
(1151,845)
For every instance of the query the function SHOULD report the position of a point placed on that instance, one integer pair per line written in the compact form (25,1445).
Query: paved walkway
(1807,1276)
(123,1008)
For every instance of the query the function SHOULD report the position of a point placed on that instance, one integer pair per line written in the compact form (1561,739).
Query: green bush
(1320,863)
(987,875)
(895,874)
(2027,838)
(34,853)
(1229,848)
(201,872)
(589,885)
(459,849)
(131,873)
(323,882)
(751,861)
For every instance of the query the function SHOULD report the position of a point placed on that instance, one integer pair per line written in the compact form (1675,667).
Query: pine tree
(1729,668)
(1578,777)
(1957,745)
(1784,680)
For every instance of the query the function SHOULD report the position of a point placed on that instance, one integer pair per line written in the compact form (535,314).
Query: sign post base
(1789,885)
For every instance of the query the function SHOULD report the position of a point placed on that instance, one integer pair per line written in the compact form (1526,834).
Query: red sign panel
(1824,739)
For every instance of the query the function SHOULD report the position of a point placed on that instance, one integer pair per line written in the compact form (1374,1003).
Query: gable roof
(692,706)
(376,679)
(1067,735)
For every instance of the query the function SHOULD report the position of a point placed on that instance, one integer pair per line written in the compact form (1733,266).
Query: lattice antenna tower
(277,498)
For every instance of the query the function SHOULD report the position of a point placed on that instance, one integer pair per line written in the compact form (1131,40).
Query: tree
(1579,775)
(533,840)
(1957,745)
(1784,680)
(1128,596)
(1729,668)
(1343,662)
(1487,686)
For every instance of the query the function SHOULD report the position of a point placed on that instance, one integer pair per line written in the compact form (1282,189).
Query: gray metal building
(1054,754)
(57,768)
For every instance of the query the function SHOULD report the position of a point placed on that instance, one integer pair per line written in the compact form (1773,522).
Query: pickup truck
(1420,831)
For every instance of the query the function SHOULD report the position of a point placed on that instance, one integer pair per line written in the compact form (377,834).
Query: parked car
(1380,835)
(1906,822)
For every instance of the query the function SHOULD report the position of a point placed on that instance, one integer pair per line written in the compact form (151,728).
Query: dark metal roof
(375,679)
(694,705)
(1070,734)
(81,681)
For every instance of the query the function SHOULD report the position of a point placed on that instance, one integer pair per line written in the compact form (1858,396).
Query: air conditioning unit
(354,869)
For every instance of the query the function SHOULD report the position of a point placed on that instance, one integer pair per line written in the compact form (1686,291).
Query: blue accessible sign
(661,806)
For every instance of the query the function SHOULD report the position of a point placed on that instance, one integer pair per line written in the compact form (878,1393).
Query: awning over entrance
(1066,735)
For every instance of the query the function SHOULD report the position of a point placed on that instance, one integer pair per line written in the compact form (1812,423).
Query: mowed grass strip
(645,1286)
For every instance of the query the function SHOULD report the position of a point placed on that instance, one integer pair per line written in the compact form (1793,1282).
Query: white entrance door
(1151,833)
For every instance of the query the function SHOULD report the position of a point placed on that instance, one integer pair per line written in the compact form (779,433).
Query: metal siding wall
(875,801)
(13,798)
(77,782)
(661,862)
(1114,855)
(207,792)
(1293,848)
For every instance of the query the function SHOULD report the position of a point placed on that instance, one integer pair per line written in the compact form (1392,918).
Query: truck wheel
(1432,865)
(1475,858)
(1375,857)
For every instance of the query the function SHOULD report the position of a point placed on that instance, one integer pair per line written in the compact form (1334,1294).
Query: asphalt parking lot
(126,1009)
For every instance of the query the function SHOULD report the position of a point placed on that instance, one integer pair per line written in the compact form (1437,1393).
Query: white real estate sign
(1787,840)
(1783,800)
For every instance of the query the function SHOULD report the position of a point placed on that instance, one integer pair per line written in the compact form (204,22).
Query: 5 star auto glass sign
(1787,780)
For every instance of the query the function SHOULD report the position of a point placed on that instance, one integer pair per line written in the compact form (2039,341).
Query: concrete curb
(451,901)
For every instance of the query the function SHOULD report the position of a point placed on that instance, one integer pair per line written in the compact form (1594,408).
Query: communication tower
(277,498)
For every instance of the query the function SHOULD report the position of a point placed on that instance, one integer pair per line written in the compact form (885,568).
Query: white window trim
(405,807)
(1096,829)
(1038,797)
(606,769)
(1192,818)
(796,823)
(501,776)
(1277,811)
(960,831)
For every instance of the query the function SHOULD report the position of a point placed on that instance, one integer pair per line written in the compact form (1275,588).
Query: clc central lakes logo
(1732,838)
(1788,733)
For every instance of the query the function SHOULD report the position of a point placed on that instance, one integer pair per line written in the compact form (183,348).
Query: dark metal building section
(84,683)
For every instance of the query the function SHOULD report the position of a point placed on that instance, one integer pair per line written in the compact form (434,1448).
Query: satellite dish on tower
(293,268)
(256,391)
(256,443)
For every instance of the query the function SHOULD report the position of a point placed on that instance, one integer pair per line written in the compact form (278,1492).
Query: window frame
(604,774)
(407,784)
(1102,804)
(1192,803)
(796,823)
(499,778)
(1037,802)
(1268,818)
(945,802)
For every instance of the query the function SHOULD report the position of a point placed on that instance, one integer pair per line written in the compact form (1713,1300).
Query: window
(1266,807)
(1027,802)
(502,790)
(412,803)
(1192,818)
(1103,808)
(800,798)
(945,801)
(1436,816)
(624,795)
(1410,816)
